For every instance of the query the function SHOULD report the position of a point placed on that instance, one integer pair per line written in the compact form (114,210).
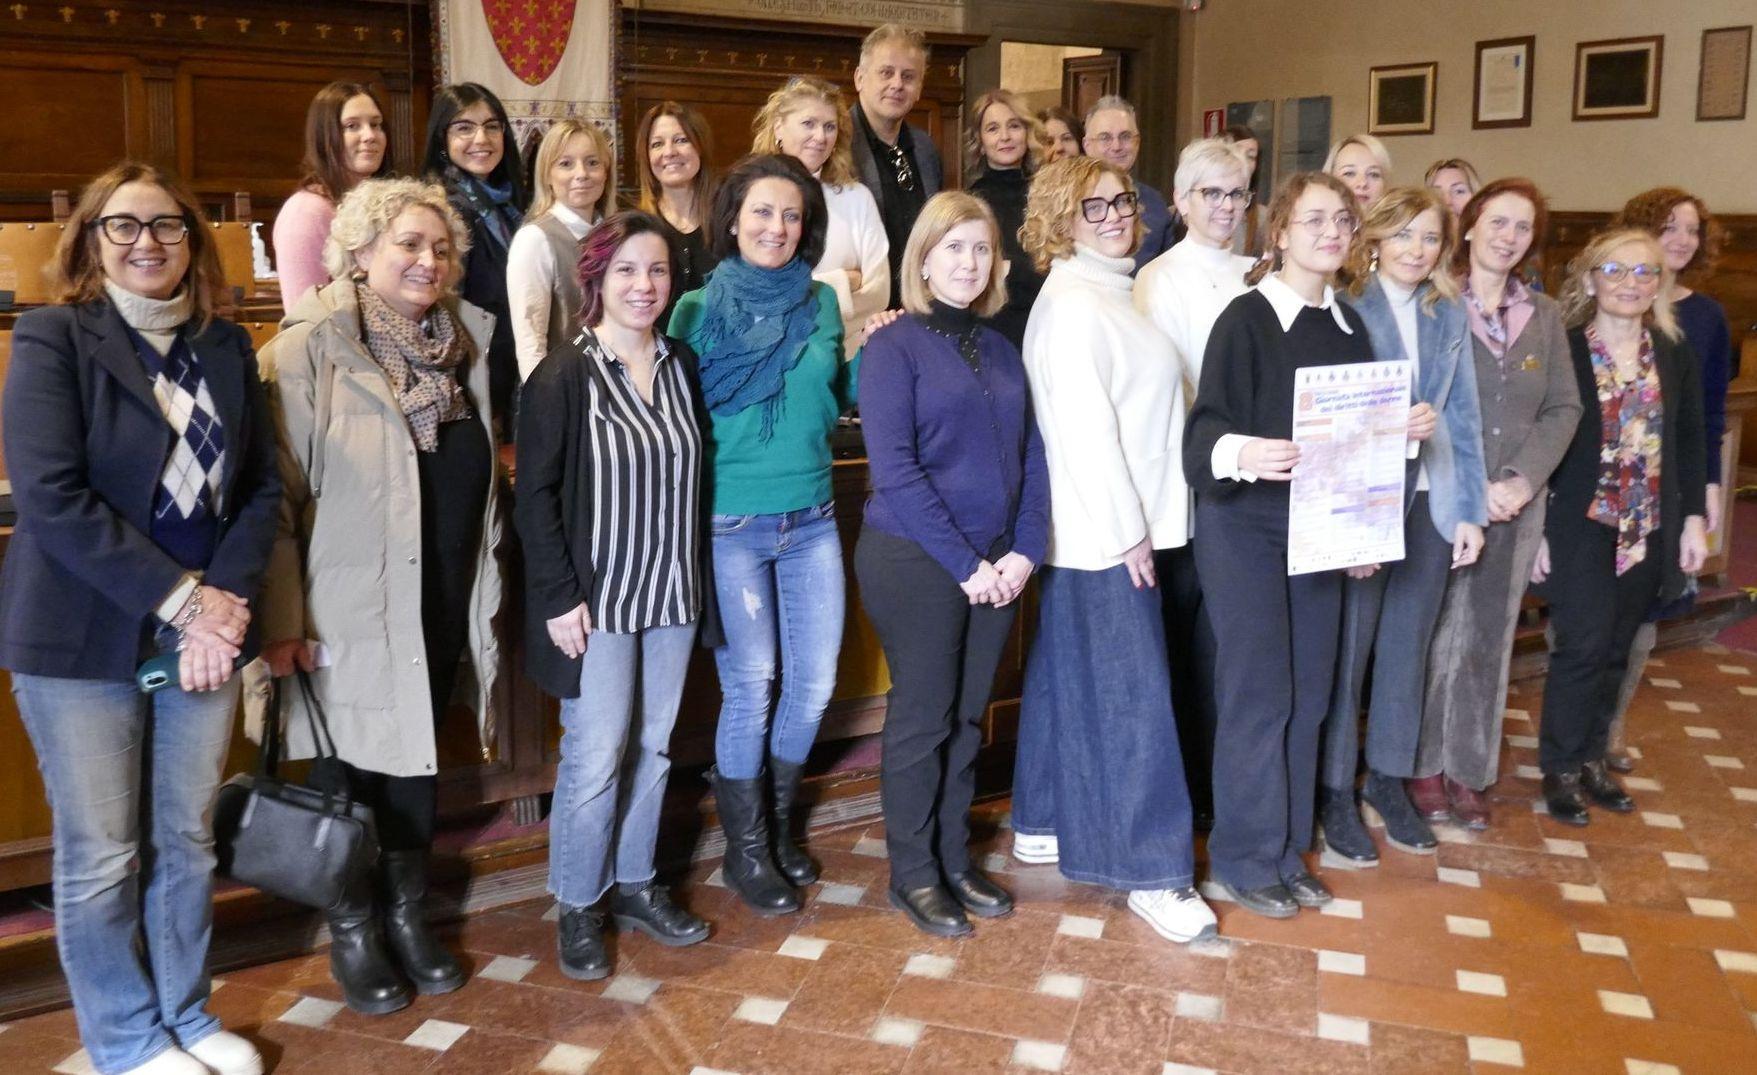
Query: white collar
(576,224)
(1106,272)
(1288,303)
(1201,254)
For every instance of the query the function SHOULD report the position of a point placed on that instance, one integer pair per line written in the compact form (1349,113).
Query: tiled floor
(1627,947)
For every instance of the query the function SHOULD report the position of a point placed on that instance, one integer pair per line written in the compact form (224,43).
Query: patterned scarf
(1493,323)
(756,326)
(421,361)
(491,204)
(1631,419)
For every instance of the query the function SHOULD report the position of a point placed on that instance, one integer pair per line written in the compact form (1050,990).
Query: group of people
(1061,373)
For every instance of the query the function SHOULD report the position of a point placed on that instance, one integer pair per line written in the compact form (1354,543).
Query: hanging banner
(545,59)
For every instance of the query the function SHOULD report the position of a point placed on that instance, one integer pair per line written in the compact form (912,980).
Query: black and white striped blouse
(645,480)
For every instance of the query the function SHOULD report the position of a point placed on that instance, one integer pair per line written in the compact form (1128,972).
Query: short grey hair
(1206,156)
(367,211)
(1108,102)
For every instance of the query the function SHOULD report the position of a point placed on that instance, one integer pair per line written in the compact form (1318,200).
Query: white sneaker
(1177,914)
(227,1054)
(172,1061)
(1036,850)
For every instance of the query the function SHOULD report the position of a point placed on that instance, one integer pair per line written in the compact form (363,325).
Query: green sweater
(792,469)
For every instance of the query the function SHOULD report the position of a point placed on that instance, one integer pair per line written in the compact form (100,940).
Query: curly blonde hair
(1393,212)
(367,211)
(943,212)
(1579,303)
(1048,231)
(1036,138)
(838,170)
(1650,210)
(555,139)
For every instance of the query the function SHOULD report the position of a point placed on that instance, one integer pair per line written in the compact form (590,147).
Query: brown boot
(1428,795)
(1469,806)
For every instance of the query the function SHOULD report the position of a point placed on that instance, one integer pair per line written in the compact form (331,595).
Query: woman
(1094,787)
(344,143)
(677,186)
(471,150)
(1690,238)
(1064,132)
(1409,302)
(1627,516)
(1002,152)
(770,341)
(1183,291)
(1275,634)
(138,518)
(386,551)
(1363,164)
(610,459)
(1530,406)
(808,119)
(1454,180)
(957,521)
(576,189)
(1245,238)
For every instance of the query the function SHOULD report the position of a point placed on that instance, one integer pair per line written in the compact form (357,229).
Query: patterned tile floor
(1626,947)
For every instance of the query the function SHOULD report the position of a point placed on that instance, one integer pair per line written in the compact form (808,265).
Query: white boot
(1177,914)
(1036,850)
(172,1061)
(227,1054)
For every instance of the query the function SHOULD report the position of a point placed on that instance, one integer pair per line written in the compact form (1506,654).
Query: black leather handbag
(304,844)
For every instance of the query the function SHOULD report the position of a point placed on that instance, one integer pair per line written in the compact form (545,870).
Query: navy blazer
(85,447)
(1457,478)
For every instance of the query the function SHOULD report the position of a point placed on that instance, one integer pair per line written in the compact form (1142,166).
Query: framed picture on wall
(1618,79)
(1725,78)
(1400,100)
(1502,97)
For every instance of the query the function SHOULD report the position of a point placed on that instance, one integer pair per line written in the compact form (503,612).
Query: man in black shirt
(896,161)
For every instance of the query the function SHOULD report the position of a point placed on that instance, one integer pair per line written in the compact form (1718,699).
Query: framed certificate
(1725,78)
(1502,97)
(1400,100)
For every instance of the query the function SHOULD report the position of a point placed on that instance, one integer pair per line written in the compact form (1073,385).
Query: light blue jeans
(615,759)
(782,599)
(131,780)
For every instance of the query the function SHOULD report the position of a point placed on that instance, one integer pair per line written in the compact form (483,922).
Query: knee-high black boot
(423,958)
(749,870)
(358,959)
(795,864)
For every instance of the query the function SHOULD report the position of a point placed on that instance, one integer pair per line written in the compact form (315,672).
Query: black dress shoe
(1619,762)
(1404,828)
(1346,842)
(1271,901)
(651,911)
(979,894)
(580,944)
(1603,788)
(1562,794)
(1308,891)
(932,909)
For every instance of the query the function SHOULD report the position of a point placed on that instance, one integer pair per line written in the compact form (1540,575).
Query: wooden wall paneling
(73,113)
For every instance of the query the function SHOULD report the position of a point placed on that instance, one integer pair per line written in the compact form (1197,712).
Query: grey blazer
(1530,402)
(926,156)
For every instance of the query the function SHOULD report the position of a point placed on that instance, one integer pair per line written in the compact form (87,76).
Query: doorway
(1068,76)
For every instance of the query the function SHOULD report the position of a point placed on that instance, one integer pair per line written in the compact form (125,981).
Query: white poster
(1345,505)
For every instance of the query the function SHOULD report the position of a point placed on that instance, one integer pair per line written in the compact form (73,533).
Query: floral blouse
(1631,420)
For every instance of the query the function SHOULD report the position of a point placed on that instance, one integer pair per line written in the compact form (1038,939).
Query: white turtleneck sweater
(158,322)
(1183,290)
(1107,389)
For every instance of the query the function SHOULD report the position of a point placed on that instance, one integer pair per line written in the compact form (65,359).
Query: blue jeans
(131,780)
(610,784)
(782,595)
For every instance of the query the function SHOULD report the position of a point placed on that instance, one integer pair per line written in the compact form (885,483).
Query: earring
(924,274)
(1374,265)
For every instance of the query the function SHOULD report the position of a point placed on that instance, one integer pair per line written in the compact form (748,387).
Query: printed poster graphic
(1345,504)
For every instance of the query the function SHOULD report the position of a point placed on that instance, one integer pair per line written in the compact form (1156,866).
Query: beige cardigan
(345,570)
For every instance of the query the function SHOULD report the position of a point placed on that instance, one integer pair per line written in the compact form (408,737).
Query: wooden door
(1087,78)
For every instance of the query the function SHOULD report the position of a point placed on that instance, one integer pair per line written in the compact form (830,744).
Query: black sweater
(1247,383)
(1005,190)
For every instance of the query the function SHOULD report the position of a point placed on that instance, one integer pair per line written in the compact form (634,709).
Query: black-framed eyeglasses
(1614,271)
(905,170)
(1126,204)
(124,230)
(466,129)
(1213,196)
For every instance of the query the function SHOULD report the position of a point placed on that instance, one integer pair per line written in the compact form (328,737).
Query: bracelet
(191,610)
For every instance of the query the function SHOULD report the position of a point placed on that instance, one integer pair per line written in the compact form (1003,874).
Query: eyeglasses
(1318,223)
(125,230)
(1614,271)
(905,171)
(1095,210)
(1125,138)
(466,129)
(1213,196)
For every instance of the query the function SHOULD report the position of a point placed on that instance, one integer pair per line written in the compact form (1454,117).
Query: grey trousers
(1471,651)
(1388,619)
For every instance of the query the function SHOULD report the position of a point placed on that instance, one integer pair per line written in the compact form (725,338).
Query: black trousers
(1189,645)
(1595,614)
(942,652)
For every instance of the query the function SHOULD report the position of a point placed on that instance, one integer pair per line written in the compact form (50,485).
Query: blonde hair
(943,212)
(894,33)
(1036,138)
(838,170)
(366,212)
(1457,164)
(1048,231)
(1579,304)
(555,139)
(1365,141)
(1394,210)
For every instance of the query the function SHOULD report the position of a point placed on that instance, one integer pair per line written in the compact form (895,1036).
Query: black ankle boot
(423,958)
(1346,842)
(748,868)
(1403,826)
(1603,788)
(1565,799)
(650,910)
(795,864)
(358,959)
(579,942)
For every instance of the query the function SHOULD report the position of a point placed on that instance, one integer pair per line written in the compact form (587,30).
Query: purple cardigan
(954,454)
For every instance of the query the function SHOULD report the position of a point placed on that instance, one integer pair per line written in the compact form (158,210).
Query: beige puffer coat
(345,570)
